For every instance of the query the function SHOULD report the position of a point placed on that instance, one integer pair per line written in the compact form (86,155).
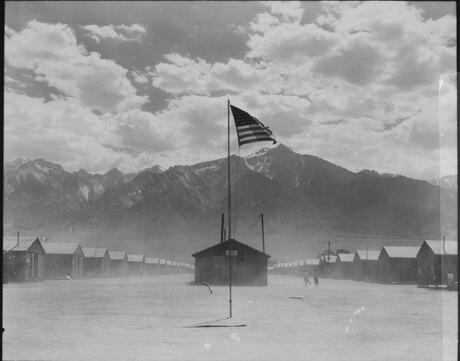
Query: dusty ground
(147,319)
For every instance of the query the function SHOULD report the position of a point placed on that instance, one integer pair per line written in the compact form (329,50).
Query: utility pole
(263,235)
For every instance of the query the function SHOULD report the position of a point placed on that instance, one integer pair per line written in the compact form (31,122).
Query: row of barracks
(28,259)
(426,265)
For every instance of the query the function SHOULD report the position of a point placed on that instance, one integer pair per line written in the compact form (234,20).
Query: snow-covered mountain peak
(259,153)
(16,163)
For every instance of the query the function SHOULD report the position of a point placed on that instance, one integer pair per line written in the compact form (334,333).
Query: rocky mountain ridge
(299,192)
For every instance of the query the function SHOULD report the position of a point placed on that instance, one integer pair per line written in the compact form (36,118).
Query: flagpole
(229,214)
(228,168)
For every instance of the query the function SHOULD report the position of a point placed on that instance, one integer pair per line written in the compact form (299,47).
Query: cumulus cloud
(139,77)
(358,85)
(133,32)
(144,132)
(40,42)
(9,31)
(415,50)
(287,10)
(52,52)
(183,75)
(61,128)
(359,63)
(56,130)
(288,42)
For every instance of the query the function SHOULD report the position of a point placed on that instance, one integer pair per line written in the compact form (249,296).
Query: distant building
(310,265)
(152,266)
(435,259)
(174,266)
(249,265)
(296,267)
(167,267)
(118,263)
(63,259)
(96,262)
(136,265)
(366,265)
(344,266)
(327,265)
(162,267)
(23,260)
(398,264)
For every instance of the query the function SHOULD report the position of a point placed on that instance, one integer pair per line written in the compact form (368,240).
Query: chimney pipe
(225,234)
(17,241)
(222,228)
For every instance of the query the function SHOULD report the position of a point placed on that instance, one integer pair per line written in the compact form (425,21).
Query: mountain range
(178,209)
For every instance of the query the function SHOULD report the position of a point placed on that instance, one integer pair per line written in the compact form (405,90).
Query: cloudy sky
(129,85)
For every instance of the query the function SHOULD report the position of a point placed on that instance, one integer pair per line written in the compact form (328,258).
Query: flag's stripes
(246,141)
(250,129)
(253,128)
(251,134)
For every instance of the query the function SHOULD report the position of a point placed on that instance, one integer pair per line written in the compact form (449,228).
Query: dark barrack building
(435,260)
(365,265)
(327,265)
(63,260)
(23,260)
(136,265)
(96,262)
(152,266)
(398,264)
(249,265)
(162,268)
(118,263)
(344,266)
(311,265)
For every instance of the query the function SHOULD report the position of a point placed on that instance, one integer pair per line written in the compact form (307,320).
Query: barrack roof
(117,255)
(370,255)
(312,262)
(151,260)
(332,258)
(60,247)
(11,243)
(135,258)
(402,251)
(91,252)
(346,257)
(225,245)
(450,247)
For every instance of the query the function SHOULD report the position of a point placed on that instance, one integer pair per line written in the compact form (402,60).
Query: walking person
(450,281)
(315,276)
(306,279)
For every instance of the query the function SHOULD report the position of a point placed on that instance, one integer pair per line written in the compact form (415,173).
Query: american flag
(250,129)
